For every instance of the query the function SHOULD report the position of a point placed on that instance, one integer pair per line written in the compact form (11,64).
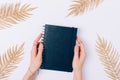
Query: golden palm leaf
(9,60)
(109,57)
(80,6)
(13,13)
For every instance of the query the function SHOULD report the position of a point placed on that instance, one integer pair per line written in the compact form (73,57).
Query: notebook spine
(43,41)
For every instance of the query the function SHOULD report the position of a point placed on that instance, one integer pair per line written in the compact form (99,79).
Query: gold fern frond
(9,60)
(80,6)
(13,13)
(109,57)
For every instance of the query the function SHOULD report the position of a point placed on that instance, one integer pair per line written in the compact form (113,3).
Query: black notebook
(59,42)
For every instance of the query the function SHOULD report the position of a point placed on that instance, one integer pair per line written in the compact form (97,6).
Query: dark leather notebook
(59,42)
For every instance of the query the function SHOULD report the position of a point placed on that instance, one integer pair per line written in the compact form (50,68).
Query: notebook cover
(59,42)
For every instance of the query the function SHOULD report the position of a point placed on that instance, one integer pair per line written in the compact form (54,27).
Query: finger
(76,52)
(34,50)
(40,51)
(82,52)
(37,39)
(78,40)
(82,49)
(80,44)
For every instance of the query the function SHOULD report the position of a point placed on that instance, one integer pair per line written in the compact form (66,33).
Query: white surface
(104,20)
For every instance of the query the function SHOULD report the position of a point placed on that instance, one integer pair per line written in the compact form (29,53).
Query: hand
(78,60)
(36,55)
(36,59)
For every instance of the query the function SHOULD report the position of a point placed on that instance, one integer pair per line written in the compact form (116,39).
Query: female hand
(78,60)
(36,59)
(36,55)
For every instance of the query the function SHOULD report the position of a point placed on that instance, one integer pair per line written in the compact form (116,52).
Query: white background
(104,20)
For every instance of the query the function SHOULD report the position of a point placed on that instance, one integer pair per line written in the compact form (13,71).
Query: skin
(36,59)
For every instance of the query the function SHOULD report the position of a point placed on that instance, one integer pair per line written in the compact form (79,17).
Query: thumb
(76,52)
(40,51)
